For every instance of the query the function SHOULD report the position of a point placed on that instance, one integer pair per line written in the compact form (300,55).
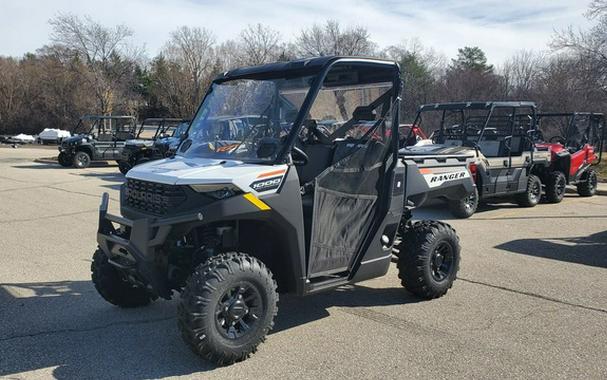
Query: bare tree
(88,38)
(597,8)
(103,50)
(184,70)
(193,49)
(330,39)
(258,44)
(521,72)
(590,46)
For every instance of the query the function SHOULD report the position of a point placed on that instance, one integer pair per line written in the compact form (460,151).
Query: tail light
(473,169)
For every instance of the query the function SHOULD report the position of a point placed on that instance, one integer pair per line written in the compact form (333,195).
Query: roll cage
(591,125)
(164,126)
(107,125)
(368,72)
(476,123)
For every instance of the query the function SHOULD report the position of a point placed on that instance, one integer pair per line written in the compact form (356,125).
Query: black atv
(96,138)
(304,195)
(156,138)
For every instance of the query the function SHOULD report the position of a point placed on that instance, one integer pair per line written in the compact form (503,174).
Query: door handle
(505,162)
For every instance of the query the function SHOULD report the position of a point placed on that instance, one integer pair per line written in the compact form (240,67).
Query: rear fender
(449,179)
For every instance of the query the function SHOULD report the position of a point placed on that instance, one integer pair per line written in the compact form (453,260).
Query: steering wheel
(300,158)
(557,139)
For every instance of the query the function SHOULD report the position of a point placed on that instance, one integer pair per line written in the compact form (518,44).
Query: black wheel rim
(560,186)
(441,261)
(536,189)
(469,201)
(239,310)
(83,160)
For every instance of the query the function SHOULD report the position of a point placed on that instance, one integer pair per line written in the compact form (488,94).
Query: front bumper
(142,241)
(142,238)
(66,149)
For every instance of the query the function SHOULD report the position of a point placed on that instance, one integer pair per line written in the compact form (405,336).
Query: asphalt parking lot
(530,301)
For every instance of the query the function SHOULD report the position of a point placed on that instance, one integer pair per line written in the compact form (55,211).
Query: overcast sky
(498,27)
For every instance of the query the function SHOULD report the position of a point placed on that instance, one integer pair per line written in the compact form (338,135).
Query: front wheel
(227,307)
(124,167)
(428,259)
(587,188)
(555,187)
(113,287)
(465,207)
(81,160)
(532,194)
(64,160)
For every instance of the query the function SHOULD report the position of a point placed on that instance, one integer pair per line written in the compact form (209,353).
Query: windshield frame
(319,75)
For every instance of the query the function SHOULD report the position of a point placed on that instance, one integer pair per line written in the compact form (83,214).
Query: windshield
(246,119)
(179,130)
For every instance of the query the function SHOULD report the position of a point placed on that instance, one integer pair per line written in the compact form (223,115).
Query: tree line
(90,68)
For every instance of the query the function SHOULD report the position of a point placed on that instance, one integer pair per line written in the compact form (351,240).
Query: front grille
(152,198)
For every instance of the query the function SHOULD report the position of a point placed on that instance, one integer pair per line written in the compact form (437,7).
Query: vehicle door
(347,194)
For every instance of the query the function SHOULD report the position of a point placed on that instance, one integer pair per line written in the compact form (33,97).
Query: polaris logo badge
(144,196)
(266,184)
(437,179)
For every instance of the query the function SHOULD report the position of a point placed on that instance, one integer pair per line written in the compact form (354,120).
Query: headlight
(217,190)
(83,140)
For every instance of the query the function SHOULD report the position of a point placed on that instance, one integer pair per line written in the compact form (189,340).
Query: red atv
(410,135)
(576,144)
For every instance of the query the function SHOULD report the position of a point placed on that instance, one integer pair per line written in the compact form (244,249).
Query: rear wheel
(465,207)
(111,285)
(227,307)
(428,259)
(533,194)
(555,187)
(64,160)
(81,160)
(587,188)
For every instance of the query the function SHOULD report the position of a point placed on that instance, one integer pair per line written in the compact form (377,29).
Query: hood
(139,142)
(187,171)
(435,149)
(75,139)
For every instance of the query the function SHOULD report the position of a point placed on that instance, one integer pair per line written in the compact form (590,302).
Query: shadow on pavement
(68,327)
(50,164)
(116,179)
(588,250)
(437,209)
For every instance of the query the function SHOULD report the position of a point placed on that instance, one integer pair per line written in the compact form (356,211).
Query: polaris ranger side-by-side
(496,140)
(306,197)
(156,139)
(575,142)
(96,138)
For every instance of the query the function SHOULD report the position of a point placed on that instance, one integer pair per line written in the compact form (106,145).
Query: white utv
(496,140)
(307,196)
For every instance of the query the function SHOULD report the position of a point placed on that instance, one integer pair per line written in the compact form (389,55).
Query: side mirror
(300,158)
